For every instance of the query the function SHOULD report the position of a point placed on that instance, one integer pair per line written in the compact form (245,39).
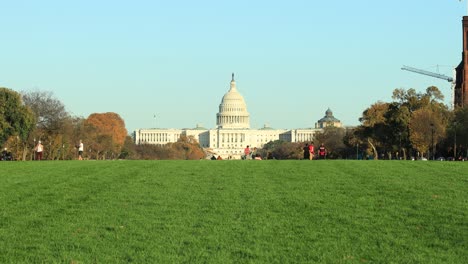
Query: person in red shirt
(322,152)
(247,153)
(311,151)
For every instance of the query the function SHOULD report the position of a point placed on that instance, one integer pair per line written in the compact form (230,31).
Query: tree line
(29,117)
(413,125)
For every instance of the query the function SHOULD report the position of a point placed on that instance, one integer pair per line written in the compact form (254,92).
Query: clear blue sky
(292,59)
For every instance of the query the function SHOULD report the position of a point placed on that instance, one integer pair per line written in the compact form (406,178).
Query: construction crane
(435,75)
(428,73)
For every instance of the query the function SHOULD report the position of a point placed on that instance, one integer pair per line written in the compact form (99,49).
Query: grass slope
(234,212)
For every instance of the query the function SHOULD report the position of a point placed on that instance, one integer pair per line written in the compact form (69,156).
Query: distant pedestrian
(80,150)
(253,154)
(311,151)
(247,152)
(306,151)
(39,148)
(322,152)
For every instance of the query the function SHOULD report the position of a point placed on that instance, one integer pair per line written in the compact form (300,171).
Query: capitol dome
(233,110)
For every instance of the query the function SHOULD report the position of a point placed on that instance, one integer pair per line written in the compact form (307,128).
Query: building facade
(233,132)
(461,71)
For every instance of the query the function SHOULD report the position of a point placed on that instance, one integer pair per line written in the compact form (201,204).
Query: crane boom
(428,73)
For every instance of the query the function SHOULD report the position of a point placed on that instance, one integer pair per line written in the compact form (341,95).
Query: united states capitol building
(233,132)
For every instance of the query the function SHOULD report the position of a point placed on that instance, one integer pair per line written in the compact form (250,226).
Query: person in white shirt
(39,148)
(80,150)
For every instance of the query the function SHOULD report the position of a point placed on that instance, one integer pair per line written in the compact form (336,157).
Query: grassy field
(234,212)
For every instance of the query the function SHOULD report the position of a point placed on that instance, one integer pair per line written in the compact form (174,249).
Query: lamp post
(432,140)
(455,124)
(399,148)
(17,152)
(32,153)
(34,150)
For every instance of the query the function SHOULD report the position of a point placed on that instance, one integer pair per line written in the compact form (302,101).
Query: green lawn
(234,212)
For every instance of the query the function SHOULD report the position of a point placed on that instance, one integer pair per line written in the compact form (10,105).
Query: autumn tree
(150,152)
(460,125)
(282,150)
(129,149)
(332,138)
(386,126)
(409,98)
(105,135)
(426,127)
(356,148)
(397,120)
(16,120)
(186,148)
(457,133)
(53,123)
(374,127)
(49,111)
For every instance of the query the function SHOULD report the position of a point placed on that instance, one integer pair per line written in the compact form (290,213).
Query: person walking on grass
(311,151)
(247,152)
(322,152)
(39,148)
(80,150)
(306,151)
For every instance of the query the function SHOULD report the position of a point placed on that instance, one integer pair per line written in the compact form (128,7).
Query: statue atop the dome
(232,77)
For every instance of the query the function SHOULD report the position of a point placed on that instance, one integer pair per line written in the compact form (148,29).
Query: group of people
(39,149)
(249,154)
(309,151)
(214,158)
(6,155)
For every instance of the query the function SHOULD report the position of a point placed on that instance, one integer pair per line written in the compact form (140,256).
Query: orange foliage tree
(105,135)
(187,148)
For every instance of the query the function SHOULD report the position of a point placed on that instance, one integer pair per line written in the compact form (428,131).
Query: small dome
(199,127)
(328,117)
(266,127)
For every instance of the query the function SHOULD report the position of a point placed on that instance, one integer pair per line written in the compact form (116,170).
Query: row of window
(228,109)
(232,119)
(158,137)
